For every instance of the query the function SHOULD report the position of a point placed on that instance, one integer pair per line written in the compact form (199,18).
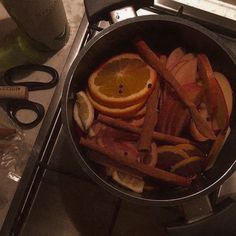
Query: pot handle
(100,9)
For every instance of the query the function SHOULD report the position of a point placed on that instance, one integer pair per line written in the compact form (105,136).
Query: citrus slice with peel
(168,155)
(123,80)
(83,111)
(190,149)
(116,112)
(141,112)
(188,167)
(128,181)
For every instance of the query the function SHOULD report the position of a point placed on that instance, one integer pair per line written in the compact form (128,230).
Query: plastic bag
(13,148)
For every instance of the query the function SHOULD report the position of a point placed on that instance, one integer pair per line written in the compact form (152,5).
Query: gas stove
(52,162)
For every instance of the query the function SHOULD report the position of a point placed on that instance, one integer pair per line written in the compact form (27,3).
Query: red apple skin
(196,134)
(181,116)
(177,67)
(193,129)
(209,82)
(222,114)
(220,120)
(163,59)
(226,89)
(187,57)
(187,73)
(174,57)
(176,118)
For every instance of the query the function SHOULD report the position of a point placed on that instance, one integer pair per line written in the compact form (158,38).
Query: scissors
(14,94)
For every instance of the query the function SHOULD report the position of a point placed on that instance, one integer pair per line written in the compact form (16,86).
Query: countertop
(8,58)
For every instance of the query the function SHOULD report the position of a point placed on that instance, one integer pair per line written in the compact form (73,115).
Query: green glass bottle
(43,21)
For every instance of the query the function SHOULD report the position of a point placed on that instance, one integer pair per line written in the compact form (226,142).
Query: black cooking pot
(163,34)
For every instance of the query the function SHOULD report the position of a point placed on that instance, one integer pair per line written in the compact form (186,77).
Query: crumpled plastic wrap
(13,148)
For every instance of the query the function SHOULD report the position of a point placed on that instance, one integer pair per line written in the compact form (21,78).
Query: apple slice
(179,116)
(196,134)
(177,67)
(174,57)
(209,82)
(222,114)
(163,59)
(220,120)
(226,89)
(193,129)
(187,57)
(187,73)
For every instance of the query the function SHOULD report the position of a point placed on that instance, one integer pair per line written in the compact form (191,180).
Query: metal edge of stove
(42,141)
(212,21)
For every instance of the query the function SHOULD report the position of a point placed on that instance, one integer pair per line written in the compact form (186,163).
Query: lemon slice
(185,162)
(188,167)
(190,149)
(128,181)
(169,155)
(121,81)
(172,149)
(83,111)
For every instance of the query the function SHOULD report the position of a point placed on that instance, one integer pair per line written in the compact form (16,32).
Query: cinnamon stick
(147,170)
(150,120)
(133,129)
(151,58)
(107,162)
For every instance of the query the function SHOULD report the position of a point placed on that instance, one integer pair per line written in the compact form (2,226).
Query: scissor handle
(8,76)
(13,106)
(13,92)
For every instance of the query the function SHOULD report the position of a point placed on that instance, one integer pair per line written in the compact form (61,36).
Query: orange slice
(129,111)
(121,81)
(140,112)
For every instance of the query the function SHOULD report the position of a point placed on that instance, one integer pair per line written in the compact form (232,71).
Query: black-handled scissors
(12,106)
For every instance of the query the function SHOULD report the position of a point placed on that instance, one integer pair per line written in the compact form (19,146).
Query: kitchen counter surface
(10,56)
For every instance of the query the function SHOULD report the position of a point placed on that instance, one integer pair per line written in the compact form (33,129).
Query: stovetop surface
(75,205)
(68,202)
(64,201)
